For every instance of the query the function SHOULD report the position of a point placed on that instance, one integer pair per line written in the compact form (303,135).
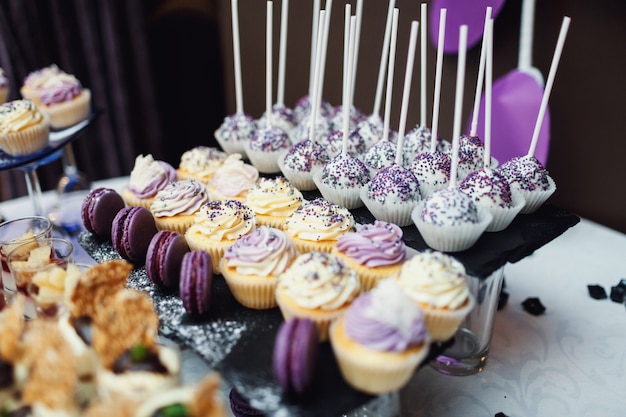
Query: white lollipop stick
(549,82)
(328,7)
(479,79)
(357,42)
(314,30)
(268,64)
(348,82)
(390,70)
(407,90)
(488,91)
(383,60)
(282,54)
(314,98)
(237,56)
(440,40)
(458,104)
(424,43)
(524,60)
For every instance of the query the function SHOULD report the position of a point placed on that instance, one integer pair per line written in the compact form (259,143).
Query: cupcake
(4,87)
(340,180)
(527,175)
(175,205)
(252,264)
(300,162)
(374,251)
(449,221)
(438,284)
(24,129)
(63,98)
(34,82)
(380,340)
(233,179)
(217,225)
(273,200)
(265,147)
(317,225)
(148,177)
(200,163)
(392,194)
(317,286)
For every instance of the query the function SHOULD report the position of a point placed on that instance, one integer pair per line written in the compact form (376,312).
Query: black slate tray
(238,342)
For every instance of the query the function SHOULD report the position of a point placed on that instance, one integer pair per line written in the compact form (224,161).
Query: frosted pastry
(273,200)
(333,142)
(471,155)
(432,170)
(233,179)
(317,286)
(175,205)
(4,87)
(24,129)
(200,163)
(147,177)
(419,140)
(380,155)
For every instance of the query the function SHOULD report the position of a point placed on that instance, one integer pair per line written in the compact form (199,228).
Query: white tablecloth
(570,361)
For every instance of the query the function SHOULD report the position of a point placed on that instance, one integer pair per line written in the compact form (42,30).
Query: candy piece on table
(295,354)
(196,278)
(164,258)
(533,306)
(618,294)
(98,210)
(131,233)
(530,178)
(597,292)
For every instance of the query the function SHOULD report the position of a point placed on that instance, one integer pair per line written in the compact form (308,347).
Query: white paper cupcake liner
(302,180)
(265,162)
(451,238)
(347,197)
(503,216)
(397,213)
(535,199)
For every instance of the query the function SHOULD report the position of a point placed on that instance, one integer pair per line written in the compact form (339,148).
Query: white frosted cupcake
(233,179)
(147,178)
(200,163)
(438,284)
(175,206)
(273,200)
(24,129)
(449,221)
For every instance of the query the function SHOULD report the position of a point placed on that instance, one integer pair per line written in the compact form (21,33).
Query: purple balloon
(516,98)
(461,12)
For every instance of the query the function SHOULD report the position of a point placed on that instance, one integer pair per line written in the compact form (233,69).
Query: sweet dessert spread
(235,132)
(380,340)
(200,163)
(252,264)
(318,286)
(147,177)
(174,206)
(273,200)
(233,179)
(300,161)
(341,179)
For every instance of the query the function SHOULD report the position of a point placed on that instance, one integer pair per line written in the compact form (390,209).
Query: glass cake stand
(28,164)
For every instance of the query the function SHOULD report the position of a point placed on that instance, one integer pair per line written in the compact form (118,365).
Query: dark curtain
(142,61)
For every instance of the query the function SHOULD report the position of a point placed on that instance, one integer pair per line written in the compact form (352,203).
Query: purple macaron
(99,209)
(196,278)
(164,258)
(295,354)
(131,232)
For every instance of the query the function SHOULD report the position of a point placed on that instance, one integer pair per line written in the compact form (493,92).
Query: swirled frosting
(149,176)
(303,156)
(179,197)
(59,88)
(526,172)
(234,176)
(236,127)
(385,319)
(487,187)
(374,245)
(435,279)
(264,251)
(202,162)
(274,197)
(345,171)
(394,185)
(224,220)
(19,115)
(38,78)
(319,220)
(449,207)
(320,280)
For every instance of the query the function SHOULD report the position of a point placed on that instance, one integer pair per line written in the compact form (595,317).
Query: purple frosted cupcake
(175,205)
(147,178)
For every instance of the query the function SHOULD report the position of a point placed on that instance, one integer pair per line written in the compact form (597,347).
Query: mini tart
(368,276)
(68,113)
(24,129)
(252,291)
(370,371)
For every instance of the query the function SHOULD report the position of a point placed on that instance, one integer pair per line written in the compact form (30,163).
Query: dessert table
(571,360)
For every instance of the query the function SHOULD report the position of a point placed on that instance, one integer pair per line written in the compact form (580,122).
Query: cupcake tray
(238,342)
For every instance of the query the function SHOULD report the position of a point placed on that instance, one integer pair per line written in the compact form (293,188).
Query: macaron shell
(164,258)
(133,229)
(99,209)
(303,355)
(196,275)
(281,353)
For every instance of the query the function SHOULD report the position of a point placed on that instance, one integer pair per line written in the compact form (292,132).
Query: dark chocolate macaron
(164,257)
(196,279)
(99,209)
(131,232)
(240,406)
(295,354)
